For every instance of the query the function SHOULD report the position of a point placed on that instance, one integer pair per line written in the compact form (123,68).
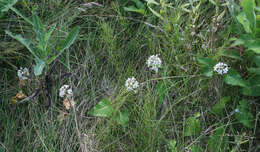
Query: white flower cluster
(221,68)
(65,90)
(131,84)
(154,62)
(23,73)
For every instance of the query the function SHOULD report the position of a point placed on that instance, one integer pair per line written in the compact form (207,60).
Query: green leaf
(244,21)
(172,146)
(66,43)
(102,109)
(139,4)
(134,9)
(70,38)
(38,28)
(220,105)
(155,13)
(47,37)
(161,90)
(243,115)
(207,65)
(254,70)
(253,88)
(233,78)
(231,54)
(254,46)
(257,60)
(248,8)
(6,4)
(191,127)
(207,71)
(218,142)
(122,118)
(195,148)
(39,67)
(206,61)
(24,41)
(238,42)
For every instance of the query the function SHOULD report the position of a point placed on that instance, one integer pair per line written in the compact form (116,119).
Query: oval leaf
(233,78)
(102,109)
(39,67)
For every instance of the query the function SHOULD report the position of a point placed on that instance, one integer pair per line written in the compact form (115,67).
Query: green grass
(114,45)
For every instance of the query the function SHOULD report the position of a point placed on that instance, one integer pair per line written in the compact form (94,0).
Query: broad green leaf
(254,46)
(172,146)
(238,42)
(70,38)
(161,90)
(206,61)
(218,142)
(231,54)
(122,118)
(139,4)
(257,60)
(102,109)
(25,42)
(134,9)
(248,8)
(191,127)
(66,43)
(254,70)
(38,68)
(233,78)
(38,28)
(251,91)
(242,19)
(253,88)
(47,37)
(207,71)
(243,115)
(220,105)
(195,148)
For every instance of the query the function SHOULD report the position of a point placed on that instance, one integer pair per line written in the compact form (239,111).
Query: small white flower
(204,46)
(236,110)
(23,73)
(154,63)
(131,84)
(221,68)
(65,90)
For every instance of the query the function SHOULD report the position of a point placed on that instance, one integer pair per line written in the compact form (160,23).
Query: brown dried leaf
(66,103)
(13,100)
(20,95)
(62,115)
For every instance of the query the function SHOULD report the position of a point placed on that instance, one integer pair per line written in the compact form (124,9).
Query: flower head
(221,68)
(23,73)
(65,90)
(154,63)
(131,84)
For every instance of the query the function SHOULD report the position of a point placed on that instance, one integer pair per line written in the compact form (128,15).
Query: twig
(36,92)
(4,146)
